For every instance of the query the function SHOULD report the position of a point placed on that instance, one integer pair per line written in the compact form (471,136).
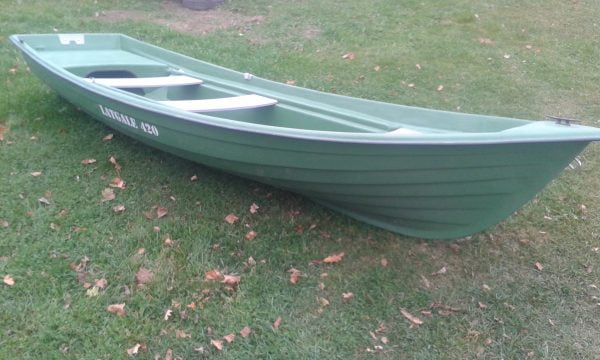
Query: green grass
(547,314)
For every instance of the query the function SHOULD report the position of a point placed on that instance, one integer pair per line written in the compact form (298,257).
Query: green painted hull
(452,174)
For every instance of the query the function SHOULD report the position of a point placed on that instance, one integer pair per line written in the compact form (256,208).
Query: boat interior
(142,70)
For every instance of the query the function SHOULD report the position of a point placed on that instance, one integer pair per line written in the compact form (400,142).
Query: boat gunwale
(578,133)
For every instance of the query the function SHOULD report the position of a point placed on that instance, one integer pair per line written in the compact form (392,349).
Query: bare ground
(174,16)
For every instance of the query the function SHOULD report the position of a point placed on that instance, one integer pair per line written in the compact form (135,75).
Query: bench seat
(222,104)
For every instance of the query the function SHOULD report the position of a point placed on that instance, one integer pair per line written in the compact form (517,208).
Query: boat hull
(434,191)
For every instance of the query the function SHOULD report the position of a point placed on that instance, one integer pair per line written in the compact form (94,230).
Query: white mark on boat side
(128,120)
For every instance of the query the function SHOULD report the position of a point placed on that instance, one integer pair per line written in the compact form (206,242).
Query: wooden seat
(146,82)
(222,104)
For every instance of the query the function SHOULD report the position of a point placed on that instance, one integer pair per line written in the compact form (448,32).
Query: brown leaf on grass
(347,296)
(181,334)
(88,161)
(441,271)
(116,165)
(134,350)
(36,173)
(384,262)
(3,130)
(119,208)
(291,82)
(199,350)
(213,275)
(194,178)
(486,41)
(231,219)
(277,323)
(168,314)
(161,212)
(382,328)
(12,71)
(44,201)
(108,137)
(294,274)
(414,321)
(117,183)
(349,56)
(440,88)
(218,344)
(245,332)
(335,258)
(482,305)
(254,208)
(168,241)
(377,68)
(101,283)
(250,235)
(4,224)
(108,194)
(144,276)
(231,280)
(538,266)
(8,280)
(117,309)
(229,338)
(169,354)
(486,287)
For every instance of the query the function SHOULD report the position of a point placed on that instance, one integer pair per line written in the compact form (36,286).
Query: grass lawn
(527,289)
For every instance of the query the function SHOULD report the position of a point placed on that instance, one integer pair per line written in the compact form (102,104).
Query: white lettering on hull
(128,121)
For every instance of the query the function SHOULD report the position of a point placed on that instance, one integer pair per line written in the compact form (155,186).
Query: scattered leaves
(414,321)
(117,309)
(347,296)
(335,258)
(8,280)
(134,350)
(108,194)
(88,161)
(231,280)
(182,334)
(117,183)
(250,235)
(161,212)
(294,274)
(108,137)
(254,208)
(144,276)
(231,219)
(245,332)
(538,266)
(229,338)
(277,323)
(377,68)
(384,262)
(36,173)
(291,82)
(213,275)
(218,344)
(113,161)
(168,241)
(441,271)
(119,208)
(101,283)
(349,56)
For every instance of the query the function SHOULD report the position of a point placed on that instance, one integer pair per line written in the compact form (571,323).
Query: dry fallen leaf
(88,161)
(8,280)
(384,262)
(217,344)
(414,321)
(44,201)
(213,275)
(538,266)
(36,173)
(108,137)
(277,323)
(441,271)
(168,241)
(194,178)
(161,212)
(134,350)
(377,68)
(347,296)
(108,194)
(144,276)
(231,219)
(250,235)
(4,224)
(291,82)
(181,334)
(168,314)
(169,354)
(349,56)
(101,283)
(117,309)
(294,274)
(229,338)
(113,161)
(245,332)
(119,208)
(231,280)
(440,88)
(486,41)
(117,183)
(254,208)
(335,258)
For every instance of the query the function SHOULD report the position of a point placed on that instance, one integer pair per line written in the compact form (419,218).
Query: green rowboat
(420,172)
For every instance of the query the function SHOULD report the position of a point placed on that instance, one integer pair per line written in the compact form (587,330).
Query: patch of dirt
(174,16)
